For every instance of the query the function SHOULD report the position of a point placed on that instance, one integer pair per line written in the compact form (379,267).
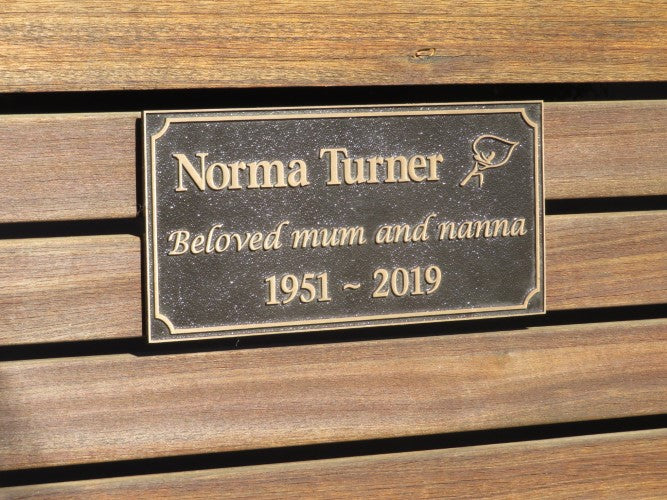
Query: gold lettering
(255,242)
(416,162)
(334,180)
(241,242)
(349,176)
(393,233)
(421,231)
(351,235)
(500,223)
(443,227)
(197,177)
(224,176)
(479,225)
(298,177)
(279,170)
(482,229)
(236,167)
(465,230)
(433,166)
(373,163)
(272,241)
(518,227)
(180,238)
(365,170)
(304,237)
(328,237)
(209,246)
(391,172)
(197,245)
(224,237)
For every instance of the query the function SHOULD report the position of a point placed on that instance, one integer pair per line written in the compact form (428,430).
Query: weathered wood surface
(105,408)
(602,149)
(58,289)
(71,166)
(621,465)
(606,260)
(89,287)
(83,166)
(87,45)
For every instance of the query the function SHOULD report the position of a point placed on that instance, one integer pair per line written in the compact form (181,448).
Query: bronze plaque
(289,220)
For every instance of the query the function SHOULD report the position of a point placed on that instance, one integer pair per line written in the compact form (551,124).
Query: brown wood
(600,149)
(115,407)
(83,166)
(85,45)
(622,465)
(57,289)
(59,167)
(84,288)
(606,260)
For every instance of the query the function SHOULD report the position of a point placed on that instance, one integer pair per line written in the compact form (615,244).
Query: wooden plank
(606,260)
(60,167)
(115,407)
(601,149)
(83,166)
(85,45)
(59,289)
(85,288)
(621,465)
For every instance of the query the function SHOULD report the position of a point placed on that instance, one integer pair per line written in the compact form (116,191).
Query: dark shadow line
(137,346)
(85,227)
(135,226)
(605,205)
(293,454)
(141,182)
(207,98)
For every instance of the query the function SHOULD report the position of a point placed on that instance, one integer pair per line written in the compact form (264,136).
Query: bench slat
(89,287)
(114,407)
(83,166)
(68,167)
(84,45)
(625,465)
(603,149)
(65,289)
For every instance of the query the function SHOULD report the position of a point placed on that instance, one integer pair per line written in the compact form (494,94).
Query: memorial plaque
(290,220)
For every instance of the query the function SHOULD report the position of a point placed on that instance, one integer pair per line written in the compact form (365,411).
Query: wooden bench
(561,405)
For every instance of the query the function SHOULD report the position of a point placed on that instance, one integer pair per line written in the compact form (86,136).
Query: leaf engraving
(487,148)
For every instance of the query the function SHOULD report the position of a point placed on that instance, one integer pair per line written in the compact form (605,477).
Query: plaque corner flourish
(167,322)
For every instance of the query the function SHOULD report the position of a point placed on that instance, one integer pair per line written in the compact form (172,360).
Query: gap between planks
(89,287)
(84,166)
(70,410)
(623,465)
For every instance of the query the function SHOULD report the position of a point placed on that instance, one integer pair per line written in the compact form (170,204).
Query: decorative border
(351,321)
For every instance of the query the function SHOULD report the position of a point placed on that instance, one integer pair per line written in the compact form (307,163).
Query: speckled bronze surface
(491,170)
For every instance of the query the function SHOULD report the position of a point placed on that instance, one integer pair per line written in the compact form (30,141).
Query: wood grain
(622,465)
(85,288)
(73,410)
(83,166)
(606,260)
(86,45)
(58,289)
(60,167)
(602,149)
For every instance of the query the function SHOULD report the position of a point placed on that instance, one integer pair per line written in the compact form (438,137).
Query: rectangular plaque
(289,220)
